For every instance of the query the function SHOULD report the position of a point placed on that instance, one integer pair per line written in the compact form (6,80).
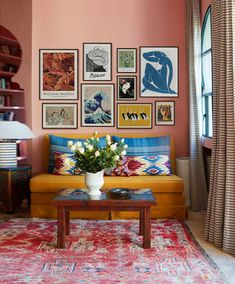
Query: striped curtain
(220,221)
(197,171)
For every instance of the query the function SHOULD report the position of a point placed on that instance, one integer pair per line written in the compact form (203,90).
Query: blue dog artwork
(159,72)
(97,107)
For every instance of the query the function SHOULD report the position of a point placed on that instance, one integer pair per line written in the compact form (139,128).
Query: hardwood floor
(226,262)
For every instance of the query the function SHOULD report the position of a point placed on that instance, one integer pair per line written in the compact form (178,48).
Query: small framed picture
(126,60)
(97,61)
(58,74)
(97,105)
(134,115)
(126,88)
(165,113)
(159,72)
(62,116)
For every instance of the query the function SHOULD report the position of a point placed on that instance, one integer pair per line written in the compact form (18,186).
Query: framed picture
(159,70)
(97,61)
(134,115)
(165,113)
(58,74)
(126,88)
(97,105)
(59,115)
(126,60)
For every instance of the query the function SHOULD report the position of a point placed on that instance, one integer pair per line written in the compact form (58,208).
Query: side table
(14,187)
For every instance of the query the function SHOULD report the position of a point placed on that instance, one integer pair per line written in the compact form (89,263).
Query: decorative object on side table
(10,132)
(93,160)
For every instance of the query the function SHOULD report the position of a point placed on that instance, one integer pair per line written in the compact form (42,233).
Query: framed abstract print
(126,88)
(134,115)
(97,61)
(58,71)
(60,116)
(97,105)
(126,60)
(159,72)
(165,113)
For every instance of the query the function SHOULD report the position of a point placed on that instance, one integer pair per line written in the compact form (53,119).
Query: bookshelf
(11,95)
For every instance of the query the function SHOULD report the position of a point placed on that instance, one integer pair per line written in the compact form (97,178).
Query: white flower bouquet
(90,157)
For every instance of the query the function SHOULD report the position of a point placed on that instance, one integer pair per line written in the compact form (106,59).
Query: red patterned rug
(102,252)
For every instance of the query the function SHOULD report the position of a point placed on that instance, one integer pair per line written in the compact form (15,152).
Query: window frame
(205,96)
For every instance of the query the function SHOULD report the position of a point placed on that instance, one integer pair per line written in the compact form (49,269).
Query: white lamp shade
(14,130)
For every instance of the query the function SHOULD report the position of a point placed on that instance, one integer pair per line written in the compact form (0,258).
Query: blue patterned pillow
(144,146)
(149,165)
(60,145)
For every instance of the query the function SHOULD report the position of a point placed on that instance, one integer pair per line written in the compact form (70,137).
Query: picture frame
(97,105)
(97,61)
(59,116)
(126,60)
(159,71)
(134,115)
(126,88)
(165,113)
(58,74)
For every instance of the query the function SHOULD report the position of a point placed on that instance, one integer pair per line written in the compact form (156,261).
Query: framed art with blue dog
(159,71)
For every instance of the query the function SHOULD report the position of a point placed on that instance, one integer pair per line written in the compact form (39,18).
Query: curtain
(198,187)
(220,220)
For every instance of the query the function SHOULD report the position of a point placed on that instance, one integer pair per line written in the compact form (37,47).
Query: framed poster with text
(58,71)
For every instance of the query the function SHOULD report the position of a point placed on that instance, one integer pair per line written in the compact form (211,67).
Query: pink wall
(132,23)
(204,6)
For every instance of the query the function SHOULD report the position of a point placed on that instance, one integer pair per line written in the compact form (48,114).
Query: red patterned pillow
(65,165)
(121,170)
(149,165)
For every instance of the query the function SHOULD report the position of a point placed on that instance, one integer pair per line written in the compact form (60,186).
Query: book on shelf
(4,49)
(3,83)
(2,101)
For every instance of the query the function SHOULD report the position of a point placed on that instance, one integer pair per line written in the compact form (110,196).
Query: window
(207,95)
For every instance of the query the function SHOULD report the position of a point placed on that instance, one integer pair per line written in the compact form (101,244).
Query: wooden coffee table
(76,199)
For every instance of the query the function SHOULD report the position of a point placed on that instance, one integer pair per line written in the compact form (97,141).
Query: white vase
(94,182)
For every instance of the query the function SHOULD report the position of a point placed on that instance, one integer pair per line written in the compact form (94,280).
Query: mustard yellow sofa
(168,190)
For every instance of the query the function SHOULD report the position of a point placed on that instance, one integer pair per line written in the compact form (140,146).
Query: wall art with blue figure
(159,71)
(97,103)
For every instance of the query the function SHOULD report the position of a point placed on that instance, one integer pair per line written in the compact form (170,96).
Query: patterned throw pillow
(65,165)
(149,165)
(60,145)
(121,170)
(146,146)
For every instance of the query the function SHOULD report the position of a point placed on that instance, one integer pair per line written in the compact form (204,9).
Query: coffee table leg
(141,229)
(61,226)
(67,222)
(147,228)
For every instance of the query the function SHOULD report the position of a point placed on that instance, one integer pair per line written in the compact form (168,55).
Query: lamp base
(8,154)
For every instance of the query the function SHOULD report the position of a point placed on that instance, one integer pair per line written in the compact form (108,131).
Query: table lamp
(10,132)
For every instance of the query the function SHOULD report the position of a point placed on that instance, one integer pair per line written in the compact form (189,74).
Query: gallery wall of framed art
(98,102)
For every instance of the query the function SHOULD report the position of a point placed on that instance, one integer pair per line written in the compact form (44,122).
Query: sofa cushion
(149,146)
(149,165)
(50,183)
(60,145)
